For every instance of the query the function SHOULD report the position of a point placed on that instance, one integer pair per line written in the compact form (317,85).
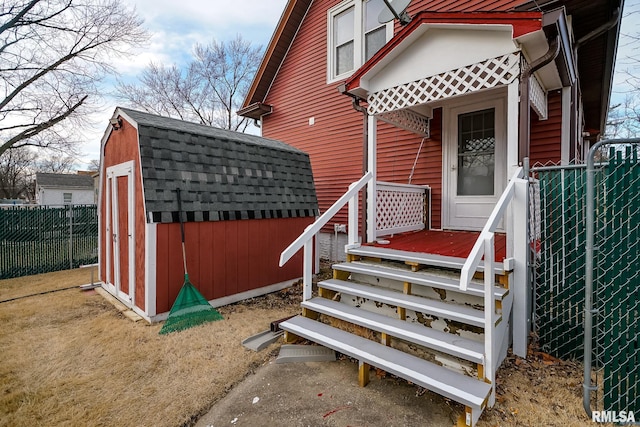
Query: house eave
(256,110)
(520,23)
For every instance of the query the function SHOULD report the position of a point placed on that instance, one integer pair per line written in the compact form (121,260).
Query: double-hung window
(354,36)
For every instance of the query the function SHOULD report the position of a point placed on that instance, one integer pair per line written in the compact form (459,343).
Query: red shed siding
(546,135)
(225,257)
(122,146)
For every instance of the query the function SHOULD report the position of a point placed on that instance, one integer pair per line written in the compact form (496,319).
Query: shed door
(121,231)
(475,168)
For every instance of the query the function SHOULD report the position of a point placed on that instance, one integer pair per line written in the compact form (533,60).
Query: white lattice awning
(538,98)
(488,74)
(408,120)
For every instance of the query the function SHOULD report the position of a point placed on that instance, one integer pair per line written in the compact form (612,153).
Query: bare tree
(624,115)
(53,53)
(209,90)
(16,172)
(55,163)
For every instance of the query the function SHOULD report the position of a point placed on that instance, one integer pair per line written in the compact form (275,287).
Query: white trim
(150,268)
(371,187)
(219,302)
(513,114)
(565,137)
(450,111)
(113,172)
(358,38)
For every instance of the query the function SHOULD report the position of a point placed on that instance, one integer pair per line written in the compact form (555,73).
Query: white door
(121,232)
(474,166)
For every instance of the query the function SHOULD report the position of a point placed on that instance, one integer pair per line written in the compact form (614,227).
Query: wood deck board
(447,243)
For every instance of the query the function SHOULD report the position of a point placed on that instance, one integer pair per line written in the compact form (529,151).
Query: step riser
(428,292)
(439,324)
(463,314)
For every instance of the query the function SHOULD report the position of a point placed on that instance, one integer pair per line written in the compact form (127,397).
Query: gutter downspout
(355,103)
(525,110)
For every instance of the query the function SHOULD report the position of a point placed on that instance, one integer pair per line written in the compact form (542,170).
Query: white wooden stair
(379,290)
(434,260)
(470,392)
(459,313)
(454,345)
(417,278)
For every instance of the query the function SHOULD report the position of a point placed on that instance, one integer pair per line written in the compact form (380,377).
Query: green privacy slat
(37,240)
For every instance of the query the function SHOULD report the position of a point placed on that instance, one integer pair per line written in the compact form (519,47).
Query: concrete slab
(327,394)
(262,340)
(293,353)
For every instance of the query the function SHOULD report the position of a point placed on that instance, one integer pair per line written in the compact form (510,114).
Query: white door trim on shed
(125,169)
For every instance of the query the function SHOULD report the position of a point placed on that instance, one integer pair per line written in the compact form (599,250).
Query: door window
(476,153)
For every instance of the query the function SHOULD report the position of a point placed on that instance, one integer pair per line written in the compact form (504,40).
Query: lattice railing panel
(487,74)
(408,120)
(538,98)
(400,208)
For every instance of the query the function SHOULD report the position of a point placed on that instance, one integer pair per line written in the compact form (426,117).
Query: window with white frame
(354,35)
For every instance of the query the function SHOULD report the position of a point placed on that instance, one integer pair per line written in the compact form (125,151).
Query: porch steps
(417,278)
(433,260)
(444,342)
(463,389)
(456,312)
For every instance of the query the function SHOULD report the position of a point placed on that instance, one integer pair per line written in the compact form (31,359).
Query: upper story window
(355,35)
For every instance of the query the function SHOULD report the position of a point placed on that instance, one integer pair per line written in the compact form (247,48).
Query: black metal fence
(40,239)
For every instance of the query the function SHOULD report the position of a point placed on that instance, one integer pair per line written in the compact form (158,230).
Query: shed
(244,199)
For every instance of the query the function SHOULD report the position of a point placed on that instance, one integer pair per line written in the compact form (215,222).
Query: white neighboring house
(64,189)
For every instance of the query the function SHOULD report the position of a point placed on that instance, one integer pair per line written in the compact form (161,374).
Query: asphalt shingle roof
(56,180)
(223,175)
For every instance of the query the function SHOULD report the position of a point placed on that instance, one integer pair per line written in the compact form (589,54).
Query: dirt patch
(71,358)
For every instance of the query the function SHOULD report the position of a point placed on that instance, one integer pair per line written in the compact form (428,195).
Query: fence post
(70,237)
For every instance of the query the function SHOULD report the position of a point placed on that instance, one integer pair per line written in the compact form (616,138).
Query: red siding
(334,142)
(225,257)
(397,151)
(546,135)
(122,146)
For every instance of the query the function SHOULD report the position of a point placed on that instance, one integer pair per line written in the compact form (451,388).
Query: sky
(176,26)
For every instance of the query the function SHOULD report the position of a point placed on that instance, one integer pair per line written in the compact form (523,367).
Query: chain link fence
(559,285)
(41,239)
(616,277)
(561,262)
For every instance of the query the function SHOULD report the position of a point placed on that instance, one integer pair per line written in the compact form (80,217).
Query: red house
(435,117)
(244,199)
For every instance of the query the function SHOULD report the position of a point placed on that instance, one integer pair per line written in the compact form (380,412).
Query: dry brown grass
(70,358)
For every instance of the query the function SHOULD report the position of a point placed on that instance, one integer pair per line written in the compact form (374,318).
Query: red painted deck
(447,243)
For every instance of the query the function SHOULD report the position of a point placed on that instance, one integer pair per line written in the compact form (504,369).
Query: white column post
(513,100)
(371,187)
(521,292)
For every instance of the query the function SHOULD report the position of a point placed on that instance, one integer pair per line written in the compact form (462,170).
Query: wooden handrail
(314,228)
(473,260)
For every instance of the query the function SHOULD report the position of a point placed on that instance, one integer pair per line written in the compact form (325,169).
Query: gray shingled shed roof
(223,175)
(59,180)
